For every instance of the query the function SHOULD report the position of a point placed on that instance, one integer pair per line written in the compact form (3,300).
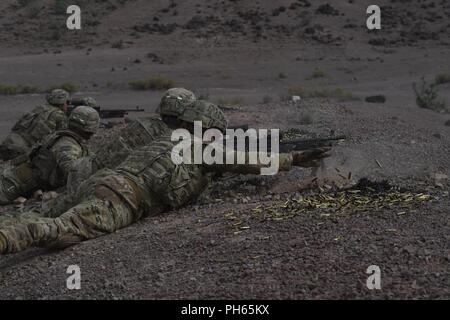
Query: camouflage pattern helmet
(90,102)
(86,101)
(58,97)
(208,113)
(174,101)
(84,119)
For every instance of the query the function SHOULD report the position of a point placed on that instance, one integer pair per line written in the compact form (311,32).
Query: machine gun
(289,145)
(307,144)
(104,113)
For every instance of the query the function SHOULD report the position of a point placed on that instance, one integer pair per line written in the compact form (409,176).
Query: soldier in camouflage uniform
(147,183)
(35,125)
(136,134)
(47,165)
(143,131)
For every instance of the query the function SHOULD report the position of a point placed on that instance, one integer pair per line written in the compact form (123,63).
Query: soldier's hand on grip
(310,158)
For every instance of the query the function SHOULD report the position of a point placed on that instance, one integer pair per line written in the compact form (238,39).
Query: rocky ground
(256,237)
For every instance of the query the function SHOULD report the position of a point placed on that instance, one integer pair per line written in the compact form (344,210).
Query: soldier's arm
(306,159)
(285,164)
(66,151)
(59,119)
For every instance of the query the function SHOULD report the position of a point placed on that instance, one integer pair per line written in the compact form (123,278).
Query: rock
(440,179)
(296,99)
(376,99)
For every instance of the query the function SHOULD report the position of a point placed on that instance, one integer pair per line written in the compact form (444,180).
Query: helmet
(174,101)
(86,101)
(57,97)
(84,119)
(208,113)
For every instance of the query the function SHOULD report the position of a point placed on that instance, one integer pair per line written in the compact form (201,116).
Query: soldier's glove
(310,158)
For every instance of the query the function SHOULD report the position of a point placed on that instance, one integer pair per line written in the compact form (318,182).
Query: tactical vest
(136,134)
(152,169)
(43,159)
(36,124)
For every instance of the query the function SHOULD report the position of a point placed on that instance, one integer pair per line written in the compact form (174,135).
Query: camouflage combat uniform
(147,183)
(47,166)
(138,133)
(35,125)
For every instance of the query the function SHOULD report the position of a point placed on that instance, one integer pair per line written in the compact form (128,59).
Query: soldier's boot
(88,220)
(42,232)
(16,180)
(13,146)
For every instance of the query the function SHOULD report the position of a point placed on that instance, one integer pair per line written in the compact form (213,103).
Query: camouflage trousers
(90,219)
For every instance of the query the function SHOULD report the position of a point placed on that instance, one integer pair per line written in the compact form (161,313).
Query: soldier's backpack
(43,159)
(37,123)
(136,134)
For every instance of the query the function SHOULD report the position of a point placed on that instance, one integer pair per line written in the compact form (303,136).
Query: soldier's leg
(12,217)
(90,219)
(9,186)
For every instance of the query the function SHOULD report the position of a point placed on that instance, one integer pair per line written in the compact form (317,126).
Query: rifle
(307,144)
(104,113)
(290,145)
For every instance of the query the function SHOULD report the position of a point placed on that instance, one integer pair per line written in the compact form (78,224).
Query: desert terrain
(250,57)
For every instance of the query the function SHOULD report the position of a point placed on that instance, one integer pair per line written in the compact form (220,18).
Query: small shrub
(24,3)
(317,73)
(442,78)
(281,75)
(68,86)
(427,96)
(118,45)
(13,90)
(154,83)
(305,119)
(267,99)
(233,101)
(60,6)
(336,93)
(204,96)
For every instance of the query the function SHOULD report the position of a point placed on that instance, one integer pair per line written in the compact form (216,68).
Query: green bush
(336,93)
(24,3)
(13,90)
(68,86)
(232,101)
(317,73)
(154,83)
(442,78)
(305,119)
(267,99)
(427,96)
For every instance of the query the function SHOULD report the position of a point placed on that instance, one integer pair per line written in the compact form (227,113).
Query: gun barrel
(305,144)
